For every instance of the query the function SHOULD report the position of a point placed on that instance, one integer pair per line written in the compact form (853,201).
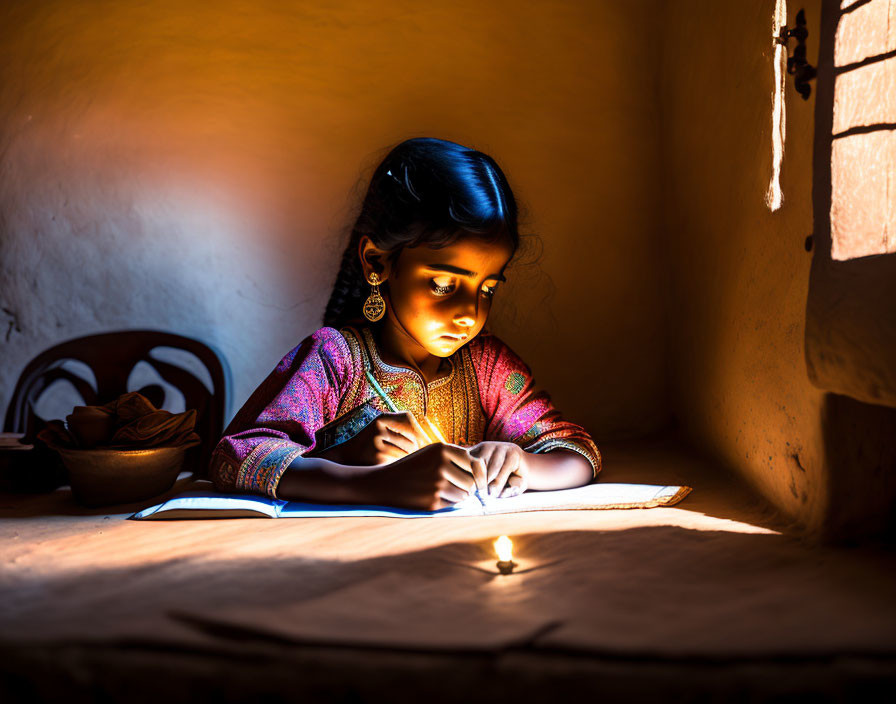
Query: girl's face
(442,297)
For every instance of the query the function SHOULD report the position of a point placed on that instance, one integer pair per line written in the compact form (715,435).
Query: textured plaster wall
(851,318)
(739,273)
(190,166)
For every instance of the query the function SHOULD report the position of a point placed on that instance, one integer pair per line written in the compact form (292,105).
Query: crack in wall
(14,323)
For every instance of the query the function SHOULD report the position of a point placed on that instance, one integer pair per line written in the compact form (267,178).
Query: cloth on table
(128,422)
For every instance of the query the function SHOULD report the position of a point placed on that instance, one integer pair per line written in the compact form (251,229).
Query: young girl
(426,256)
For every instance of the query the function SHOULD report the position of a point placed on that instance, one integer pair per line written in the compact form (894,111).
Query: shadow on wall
(120,250)
(860,452)
(850,338)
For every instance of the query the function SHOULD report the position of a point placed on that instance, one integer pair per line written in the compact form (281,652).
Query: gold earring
(374,306)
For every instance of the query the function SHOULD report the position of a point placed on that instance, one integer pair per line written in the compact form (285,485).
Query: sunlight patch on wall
(774,197)
(863,151)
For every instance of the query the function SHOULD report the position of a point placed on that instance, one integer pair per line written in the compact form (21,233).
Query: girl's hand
(506,467)
(433,477)
(385,439)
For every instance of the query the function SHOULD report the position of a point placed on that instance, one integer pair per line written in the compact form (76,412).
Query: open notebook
(593,496)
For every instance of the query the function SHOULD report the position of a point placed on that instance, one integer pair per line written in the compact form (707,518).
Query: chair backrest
(111,357)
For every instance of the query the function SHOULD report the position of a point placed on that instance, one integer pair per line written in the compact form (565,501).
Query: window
(774,197)
(863,140)
(850,312)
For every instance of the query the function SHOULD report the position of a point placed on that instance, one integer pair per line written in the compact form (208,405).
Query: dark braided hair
(425,192)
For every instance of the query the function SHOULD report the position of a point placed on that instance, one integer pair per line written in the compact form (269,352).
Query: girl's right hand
(385,439)
(431,478)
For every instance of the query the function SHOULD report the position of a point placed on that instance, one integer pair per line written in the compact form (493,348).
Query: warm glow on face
(441,297)
(774,197)
(504,549)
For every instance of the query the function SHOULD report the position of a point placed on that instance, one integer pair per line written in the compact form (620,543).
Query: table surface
(712,576)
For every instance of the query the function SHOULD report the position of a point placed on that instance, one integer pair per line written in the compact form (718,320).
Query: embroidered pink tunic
(319,395)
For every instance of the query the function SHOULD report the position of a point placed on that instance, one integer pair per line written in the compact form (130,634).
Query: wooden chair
(112,356)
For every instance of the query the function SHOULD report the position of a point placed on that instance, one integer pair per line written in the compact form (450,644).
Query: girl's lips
(449,336)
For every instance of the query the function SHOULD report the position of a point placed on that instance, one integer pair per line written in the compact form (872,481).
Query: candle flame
(504,548)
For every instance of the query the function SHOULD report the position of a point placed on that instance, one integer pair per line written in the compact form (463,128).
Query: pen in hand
(434,434)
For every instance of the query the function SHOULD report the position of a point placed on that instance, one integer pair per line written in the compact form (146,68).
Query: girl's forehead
(471,253)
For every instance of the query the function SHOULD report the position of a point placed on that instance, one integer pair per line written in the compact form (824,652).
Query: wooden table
(660,600)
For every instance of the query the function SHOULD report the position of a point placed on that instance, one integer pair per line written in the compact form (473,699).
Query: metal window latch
(797,65)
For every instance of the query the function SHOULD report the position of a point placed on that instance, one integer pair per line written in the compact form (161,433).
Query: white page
(204,503)
(592,496)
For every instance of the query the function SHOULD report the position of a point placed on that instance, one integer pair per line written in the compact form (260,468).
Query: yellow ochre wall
(192,166)
(738,273)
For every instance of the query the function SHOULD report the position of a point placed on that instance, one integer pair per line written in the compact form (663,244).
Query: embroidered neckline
(371,345)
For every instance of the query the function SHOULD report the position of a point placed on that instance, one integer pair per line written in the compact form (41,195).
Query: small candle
(504,549)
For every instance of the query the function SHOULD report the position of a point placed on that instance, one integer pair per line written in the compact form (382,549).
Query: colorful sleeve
(516,411)
(278,422)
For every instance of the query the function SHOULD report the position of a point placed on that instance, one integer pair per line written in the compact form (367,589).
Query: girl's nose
(465,311)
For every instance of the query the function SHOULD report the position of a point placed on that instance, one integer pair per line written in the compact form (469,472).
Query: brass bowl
(104,476)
